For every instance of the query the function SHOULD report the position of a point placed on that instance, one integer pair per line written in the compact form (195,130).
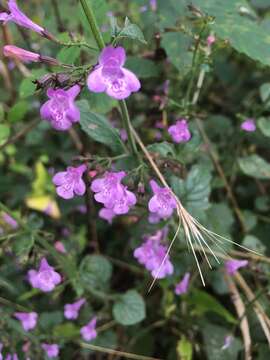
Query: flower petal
(132,81)
(95,81)
(110,52)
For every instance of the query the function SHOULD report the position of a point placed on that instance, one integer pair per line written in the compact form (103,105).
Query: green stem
(101,44)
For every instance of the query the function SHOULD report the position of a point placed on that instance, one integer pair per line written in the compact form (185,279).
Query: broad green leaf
(214,337)
(204,303)
(264,125)
(130,31)
(254,243)
(95,272)
(129,309)
(220,219)
(99,129)
(66,330)
(184,349)
(265,92)
(255,166)
(100,103)
(235,22)
(69,55)
(4,133)
(18,111)
(170,12)
(143,68)
(177,47)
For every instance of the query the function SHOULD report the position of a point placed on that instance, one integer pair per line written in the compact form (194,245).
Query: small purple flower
(153,4)
(211,39)
(88,332)
(123,135)
(153,218)
(163,202)
(231,266)
(71,311)
(60,110)
(10,221)
(70,183)
(152,253)
(52,350)
(15,52)
(248,125)
(28,320)
(111,77)
(106,214)
(19,18)
(227,342)
(126,201)
(180,132)
(12,357)
(60,247)
(45,278)
(182,286)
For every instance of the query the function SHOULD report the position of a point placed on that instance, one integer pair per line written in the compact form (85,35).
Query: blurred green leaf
(184,349)
(130,31)
(18,111)
(95,272)
(66,330)
(23,244)
(4,133)
(164,148)
(99,129)
(143,68)
(265,92)
(264,125)
(69,55)
(2,112)
(129,309)
(255,166)
(253,243)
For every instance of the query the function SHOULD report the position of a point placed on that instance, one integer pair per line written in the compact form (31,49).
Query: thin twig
(240,310)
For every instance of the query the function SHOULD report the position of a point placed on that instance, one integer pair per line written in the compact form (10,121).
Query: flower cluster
(112,194)
(152,254)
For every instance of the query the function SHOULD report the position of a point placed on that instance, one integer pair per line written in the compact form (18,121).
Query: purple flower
(72,310)
(19,18)
(70,183)
(123,135)
(45,278)
(227,342)
(88,332)
(153,218)
(20,54)
(111,77)
(231,266)
(112,194)
(211,39)
(28,320)
(151,254)
(180,132)
(182,286)
(153,4)
(12,357)
(52,350)
(143,8)
(60,247)
(248,125)
(10,221)
(60,109)
(163,202)
(106,214)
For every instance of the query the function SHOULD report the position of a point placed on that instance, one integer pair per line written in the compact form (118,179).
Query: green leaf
(27,87)
(2,112)
(236,22)
(143,68)
(264,125)
(18,111)
(195,190)
(254,243)
(164,148)
(177,47)
(184,349)
(214,337)
(100,102)
(220,219)
(95,272)
(99,129)
(255,166)
(130,31)
(204,303)
(23,244)
(69,55)
(67,330)
(4,133)
(265,92)
(129,309)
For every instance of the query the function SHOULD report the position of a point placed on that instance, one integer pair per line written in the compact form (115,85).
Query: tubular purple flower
(70,183)
(20,54)
(10,221)
(163,202)
(28,320)
(180,132)
(52,350)
(88,332)
(45,278)
(71,311)
(211,39)
(60,110)
(231,266)
(18,17)
(111,77)
(182,286)
(248,125)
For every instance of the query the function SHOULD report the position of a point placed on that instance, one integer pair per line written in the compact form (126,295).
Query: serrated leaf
(130,31)
(99,129)
(255,166)
(129,309)
(95,272)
